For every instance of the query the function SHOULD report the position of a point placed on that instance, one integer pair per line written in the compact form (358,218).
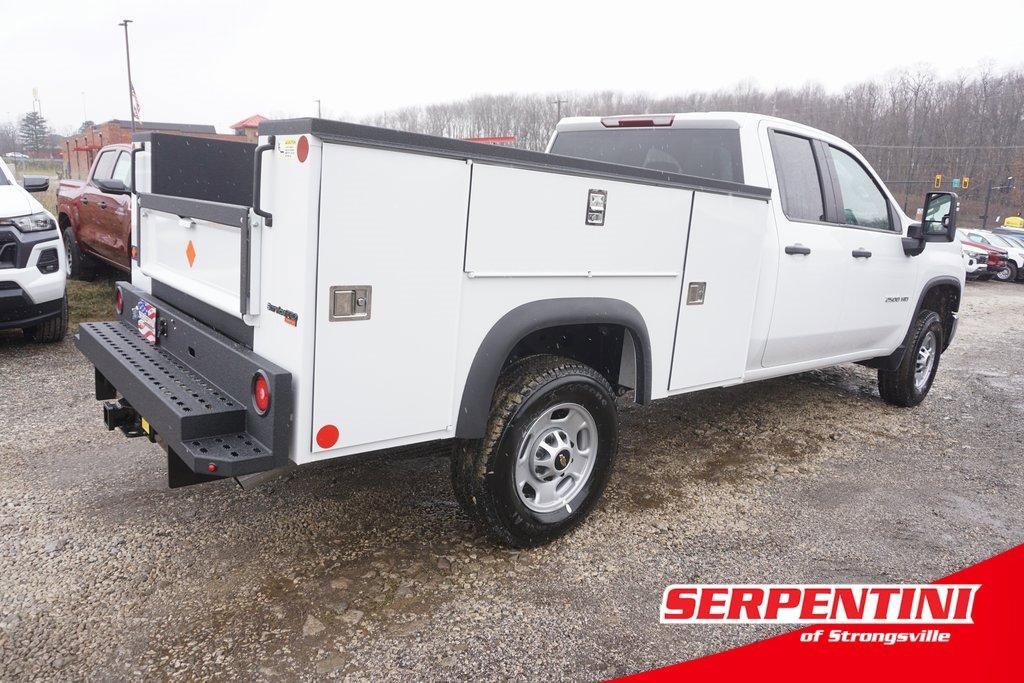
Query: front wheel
(1007,274)
(908,384)
(550,444)
(52,330)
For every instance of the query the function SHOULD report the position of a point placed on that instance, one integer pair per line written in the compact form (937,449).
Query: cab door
(812,253)
(113,217)
(879,288)
(93,204)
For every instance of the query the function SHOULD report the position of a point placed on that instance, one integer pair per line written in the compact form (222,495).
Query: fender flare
(893,360)
(523,320)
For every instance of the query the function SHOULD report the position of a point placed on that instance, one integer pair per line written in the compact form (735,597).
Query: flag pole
(131,88)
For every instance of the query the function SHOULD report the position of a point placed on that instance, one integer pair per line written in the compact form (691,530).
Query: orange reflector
(135,252)
(190,253)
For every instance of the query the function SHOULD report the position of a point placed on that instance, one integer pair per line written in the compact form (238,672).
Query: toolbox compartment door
(393,224)
(194,246)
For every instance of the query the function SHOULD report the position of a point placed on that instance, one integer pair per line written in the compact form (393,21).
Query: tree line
(910,125)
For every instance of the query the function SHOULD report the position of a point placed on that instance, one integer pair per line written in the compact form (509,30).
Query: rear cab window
(702,152)
(799,178)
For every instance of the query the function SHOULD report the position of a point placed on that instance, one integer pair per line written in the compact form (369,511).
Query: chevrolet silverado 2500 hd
(346,289)
(32,264)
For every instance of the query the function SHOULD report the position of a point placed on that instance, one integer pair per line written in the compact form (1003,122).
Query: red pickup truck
(95,214)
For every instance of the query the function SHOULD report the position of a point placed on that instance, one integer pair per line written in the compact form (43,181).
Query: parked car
(1014,271)
(95,214)
(33,267)
(377,288)
(16,155)
(975,263)
(996,261)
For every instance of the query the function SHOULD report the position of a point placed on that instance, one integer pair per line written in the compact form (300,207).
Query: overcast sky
(217,62)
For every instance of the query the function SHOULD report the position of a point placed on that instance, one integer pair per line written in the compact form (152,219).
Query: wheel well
(598,345)
(62,220)
(943,299)
(609,335)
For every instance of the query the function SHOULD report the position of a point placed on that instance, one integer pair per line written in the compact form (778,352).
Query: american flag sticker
(147,320)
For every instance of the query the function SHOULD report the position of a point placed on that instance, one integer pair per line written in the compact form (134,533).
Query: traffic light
(965,182)
(938,181)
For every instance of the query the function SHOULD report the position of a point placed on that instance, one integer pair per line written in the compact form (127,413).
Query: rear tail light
(118,301)
(637,121)
(261,393)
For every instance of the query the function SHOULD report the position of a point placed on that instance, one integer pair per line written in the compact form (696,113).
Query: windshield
(706,153)
(1000,242)
(4,180)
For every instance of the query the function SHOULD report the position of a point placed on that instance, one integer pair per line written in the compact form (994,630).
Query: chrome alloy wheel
(925,360)
(556,457)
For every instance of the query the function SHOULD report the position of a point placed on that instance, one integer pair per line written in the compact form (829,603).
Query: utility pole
(128,59)
(1008,185)
(319,115)
(558,102)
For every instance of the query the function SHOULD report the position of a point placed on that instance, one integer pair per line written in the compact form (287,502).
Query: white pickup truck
(340,289)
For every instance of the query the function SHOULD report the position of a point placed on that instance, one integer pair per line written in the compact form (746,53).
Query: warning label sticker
(286,146)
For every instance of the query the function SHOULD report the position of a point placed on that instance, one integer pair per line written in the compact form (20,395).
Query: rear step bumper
(193,389)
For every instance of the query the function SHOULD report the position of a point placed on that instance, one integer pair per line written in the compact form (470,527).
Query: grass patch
(89,301)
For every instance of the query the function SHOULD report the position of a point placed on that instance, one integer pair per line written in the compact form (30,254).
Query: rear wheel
(908,384)
(80,266)
(550,444)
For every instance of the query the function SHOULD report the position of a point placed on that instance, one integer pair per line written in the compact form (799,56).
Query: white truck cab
(341,289)
(33,267)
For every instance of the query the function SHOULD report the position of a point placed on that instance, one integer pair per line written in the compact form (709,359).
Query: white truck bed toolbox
(193,389)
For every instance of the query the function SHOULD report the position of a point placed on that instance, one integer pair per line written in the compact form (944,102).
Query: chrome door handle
(861,253)
(798,249)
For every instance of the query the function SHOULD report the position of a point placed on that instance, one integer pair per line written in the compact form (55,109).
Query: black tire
(80,266)
(483,470)
(1009,273)
(899,386)
(1015,273)
(52,330)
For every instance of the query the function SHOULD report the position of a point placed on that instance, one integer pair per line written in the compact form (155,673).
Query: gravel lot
(368,570)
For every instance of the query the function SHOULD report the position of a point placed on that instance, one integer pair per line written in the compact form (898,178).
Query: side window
(863,202)
(123,169)
(975,237)
(799,183)
(105,166)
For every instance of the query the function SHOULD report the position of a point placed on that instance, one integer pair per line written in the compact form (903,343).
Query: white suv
(33,266)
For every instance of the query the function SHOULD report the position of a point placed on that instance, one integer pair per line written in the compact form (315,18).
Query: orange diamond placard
(190,253)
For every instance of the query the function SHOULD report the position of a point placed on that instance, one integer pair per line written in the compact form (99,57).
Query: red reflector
(327,436)
(302,149)
(118,301)
(261,393)
(637,122)
(211,467)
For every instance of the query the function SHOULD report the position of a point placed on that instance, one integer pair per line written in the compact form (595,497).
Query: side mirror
(939,216)
(36,183)
(113,187)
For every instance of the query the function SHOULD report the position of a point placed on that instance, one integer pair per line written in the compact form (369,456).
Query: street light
(131,88)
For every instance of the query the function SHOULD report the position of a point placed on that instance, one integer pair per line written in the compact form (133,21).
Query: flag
(136,108)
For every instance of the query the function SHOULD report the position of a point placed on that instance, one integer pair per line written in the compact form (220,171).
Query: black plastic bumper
(17,309)
(193,389)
